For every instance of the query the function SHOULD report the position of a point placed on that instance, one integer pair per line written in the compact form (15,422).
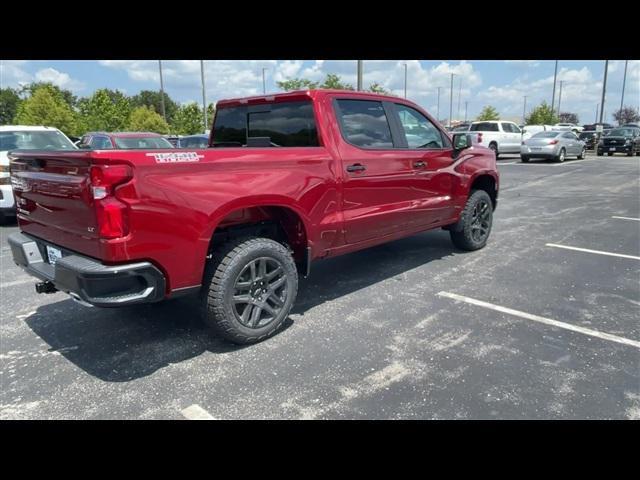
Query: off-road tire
(219,286)
(465,239)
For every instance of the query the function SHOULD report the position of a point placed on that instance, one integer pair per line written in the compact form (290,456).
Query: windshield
(587,135)
(546,135)
(621,132)
(135,143)
(38,140)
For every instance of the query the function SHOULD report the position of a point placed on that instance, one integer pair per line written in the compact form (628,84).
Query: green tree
(105,110)
(211,112)
(488,113)
(9,101)
(297,84)
(29,89)
(153,99)
(542,115)
(335,82)
(626,115)
(375,87)
(188,120)
(145,119)
(46,106)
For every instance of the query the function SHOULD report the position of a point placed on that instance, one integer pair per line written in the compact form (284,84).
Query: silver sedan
(556,145)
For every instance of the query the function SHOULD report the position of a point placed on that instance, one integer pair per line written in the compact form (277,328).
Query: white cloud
(12,74)
(61,79)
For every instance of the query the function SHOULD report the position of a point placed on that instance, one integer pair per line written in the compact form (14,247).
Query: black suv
(621,140)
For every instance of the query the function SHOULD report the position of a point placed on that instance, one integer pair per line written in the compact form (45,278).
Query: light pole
(164,115)
(604,88)
(264,85)
(560,97)
(451,100)
(204,98)
(597,106)
(466,106)
(524,109)
(359,85)
(438,114)
(624,81)
(405,80)
(459,94)
(553,96)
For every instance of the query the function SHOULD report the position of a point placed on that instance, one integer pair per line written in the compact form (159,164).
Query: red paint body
(174,208)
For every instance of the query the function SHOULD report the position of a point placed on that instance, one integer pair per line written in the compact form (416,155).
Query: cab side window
(418,129)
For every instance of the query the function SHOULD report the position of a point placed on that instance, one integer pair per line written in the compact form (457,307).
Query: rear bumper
(7,204)
(614,149)
(86,279)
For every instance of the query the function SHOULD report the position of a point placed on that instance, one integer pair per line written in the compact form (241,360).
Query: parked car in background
(590,138)
(173,139)
(620,140)
(123,140)
(572,127)
(462,127)
(194,141)
(593,126)
(499,136)
(553,144)
(16,137)
(530,130)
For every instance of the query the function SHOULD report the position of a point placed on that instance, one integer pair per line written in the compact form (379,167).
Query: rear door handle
(356,167)
(419,164)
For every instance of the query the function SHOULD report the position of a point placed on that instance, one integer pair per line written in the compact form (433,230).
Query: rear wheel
(249,289)
(609,153)
(524,159)
(630,153)
(494,146)
(475,222)
(561,156)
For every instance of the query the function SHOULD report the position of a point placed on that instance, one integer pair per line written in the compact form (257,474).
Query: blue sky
(502,84)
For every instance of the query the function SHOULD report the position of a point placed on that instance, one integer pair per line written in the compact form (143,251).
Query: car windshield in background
(135,143)
(38,140)
(546,135)
(621,132)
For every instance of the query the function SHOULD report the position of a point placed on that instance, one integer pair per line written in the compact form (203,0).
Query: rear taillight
(112,214)
(553,142)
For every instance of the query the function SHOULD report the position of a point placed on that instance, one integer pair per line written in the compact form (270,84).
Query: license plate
(54,254)
(536,148)
(612,149)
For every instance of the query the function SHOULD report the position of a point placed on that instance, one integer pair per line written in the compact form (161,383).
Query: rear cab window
(284,124)
(484,127)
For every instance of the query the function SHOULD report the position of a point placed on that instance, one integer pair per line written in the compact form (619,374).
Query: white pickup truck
(500,136)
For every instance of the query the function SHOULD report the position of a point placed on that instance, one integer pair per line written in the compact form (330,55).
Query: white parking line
(599,252)
(17,282)
(196,412)
(546,321)
(626,218)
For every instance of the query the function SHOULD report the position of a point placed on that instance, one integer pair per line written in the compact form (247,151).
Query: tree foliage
(105,110)
(47,106)
(30,88)
(153,100)
(567,117)
(542,115)
(9,101)
(375,87)
(488,113)
(331,81)
(188,120)
(145,119)
(626,115)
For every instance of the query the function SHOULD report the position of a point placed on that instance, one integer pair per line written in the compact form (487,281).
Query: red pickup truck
(287,179)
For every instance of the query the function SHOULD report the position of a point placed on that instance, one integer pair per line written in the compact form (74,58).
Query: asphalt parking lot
(540,324)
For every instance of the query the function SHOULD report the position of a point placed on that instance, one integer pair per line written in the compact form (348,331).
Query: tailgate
(53,198)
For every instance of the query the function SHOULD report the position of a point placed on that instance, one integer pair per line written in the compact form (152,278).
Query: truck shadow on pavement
(120,345)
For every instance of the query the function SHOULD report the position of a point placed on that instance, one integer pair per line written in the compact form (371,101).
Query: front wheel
(475,222)
(248,289)
(524,159)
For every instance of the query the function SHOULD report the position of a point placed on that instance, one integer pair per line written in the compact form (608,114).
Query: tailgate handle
(419,164)
(356,167)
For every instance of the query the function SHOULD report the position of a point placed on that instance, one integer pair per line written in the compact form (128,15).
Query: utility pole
(624,81)
(604,88)
(405,80)
(560,97)
(597,106)
(459,94)
(264,85)
(164,115)
(359,75)
(438,114)
(466,106)
(524,109)
(553,96)
(204,98)
(451,100)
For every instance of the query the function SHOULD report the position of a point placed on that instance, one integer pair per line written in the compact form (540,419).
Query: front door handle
(419,164)
(356,167)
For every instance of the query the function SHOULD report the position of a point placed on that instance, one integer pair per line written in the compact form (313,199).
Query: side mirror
(462,141)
